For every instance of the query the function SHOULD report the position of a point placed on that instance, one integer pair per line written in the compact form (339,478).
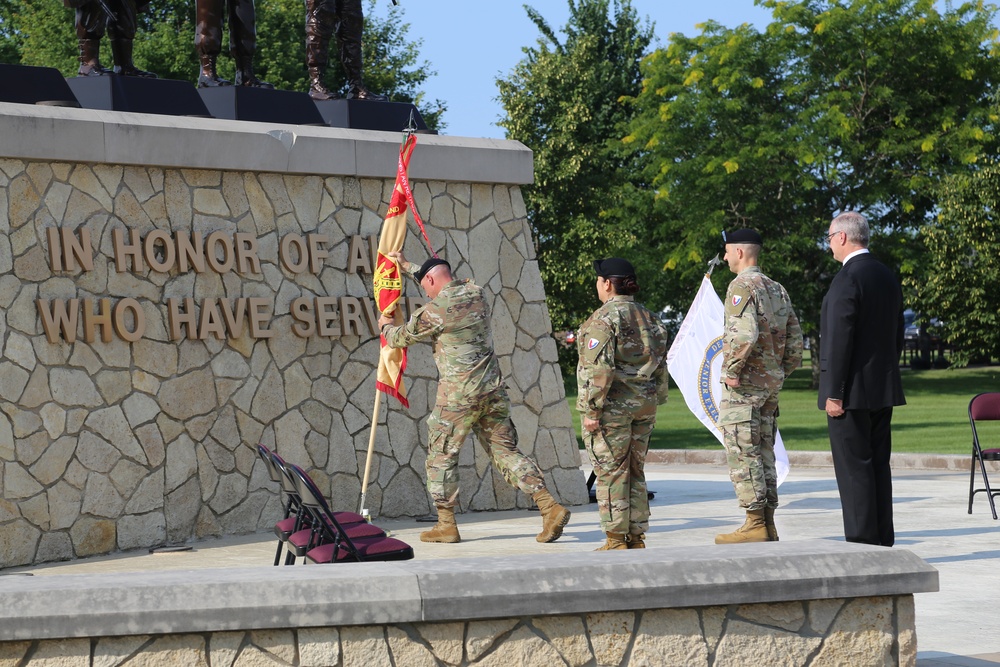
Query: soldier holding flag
(471,396)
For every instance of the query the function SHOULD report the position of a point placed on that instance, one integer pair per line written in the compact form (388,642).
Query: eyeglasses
(831,235)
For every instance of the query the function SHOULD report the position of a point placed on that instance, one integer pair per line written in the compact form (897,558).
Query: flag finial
(714,262)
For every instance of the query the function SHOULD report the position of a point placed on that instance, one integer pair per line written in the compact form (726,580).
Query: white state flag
(695,364)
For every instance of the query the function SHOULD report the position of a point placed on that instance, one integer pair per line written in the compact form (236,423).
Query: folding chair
(298,518)
(335,541)
(984,407)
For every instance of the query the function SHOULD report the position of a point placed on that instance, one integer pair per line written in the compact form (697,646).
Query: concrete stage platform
(692,504)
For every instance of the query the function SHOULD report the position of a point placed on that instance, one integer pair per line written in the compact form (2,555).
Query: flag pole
(408,131)
(712,263)
(371,448)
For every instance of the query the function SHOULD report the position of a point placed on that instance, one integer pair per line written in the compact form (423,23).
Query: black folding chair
(295,531)
(334,539)
(984,407)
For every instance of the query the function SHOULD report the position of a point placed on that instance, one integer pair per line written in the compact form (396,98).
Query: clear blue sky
(471,42)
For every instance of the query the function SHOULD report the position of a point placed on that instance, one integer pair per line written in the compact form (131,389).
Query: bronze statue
(118,18)
(242,41)
(324,18)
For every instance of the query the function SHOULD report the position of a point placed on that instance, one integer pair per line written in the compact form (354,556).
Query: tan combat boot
(554,516)
(615,541)
(637,541)
(772,530)
(445,530)
(754,529)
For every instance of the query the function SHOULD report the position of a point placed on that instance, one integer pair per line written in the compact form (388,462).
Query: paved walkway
(955,627)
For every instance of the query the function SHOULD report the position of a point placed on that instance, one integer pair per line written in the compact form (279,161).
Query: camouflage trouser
(618,452)
(489,418)
(747,420)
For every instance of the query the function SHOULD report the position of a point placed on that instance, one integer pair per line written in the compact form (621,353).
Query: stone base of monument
(810,602)
(368,115)
(165,97)
(261,105)
(21,84)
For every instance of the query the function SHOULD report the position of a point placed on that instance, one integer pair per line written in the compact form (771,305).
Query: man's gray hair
(854,225)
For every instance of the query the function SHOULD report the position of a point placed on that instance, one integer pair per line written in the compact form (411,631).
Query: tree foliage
(836,105)
(564,101)
(41,33)
(963,265)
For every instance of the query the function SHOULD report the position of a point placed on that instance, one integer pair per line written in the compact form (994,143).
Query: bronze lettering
(91,320)
(59,319)
(138,319)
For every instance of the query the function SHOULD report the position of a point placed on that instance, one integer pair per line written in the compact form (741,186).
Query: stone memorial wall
(159,319)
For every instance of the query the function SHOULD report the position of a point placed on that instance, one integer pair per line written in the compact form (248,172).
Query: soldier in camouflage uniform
(621,378)
(762,345)
(471,396)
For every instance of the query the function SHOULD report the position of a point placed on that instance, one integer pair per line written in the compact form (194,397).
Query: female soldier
(622,377)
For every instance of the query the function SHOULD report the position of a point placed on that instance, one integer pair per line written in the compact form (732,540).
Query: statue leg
(321,17)
(122,33)
(208,41)
(90,25)
(243,42)
(349,38)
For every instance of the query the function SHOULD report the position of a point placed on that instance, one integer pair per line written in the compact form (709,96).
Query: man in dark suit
(861,338)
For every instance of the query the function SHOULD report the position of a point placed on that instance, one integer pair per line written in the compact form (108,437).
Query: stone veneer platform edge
(62,606)
(93,136)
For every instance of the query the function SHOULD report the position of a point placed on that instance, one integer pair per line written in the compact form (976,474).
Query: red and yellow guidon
(388,283)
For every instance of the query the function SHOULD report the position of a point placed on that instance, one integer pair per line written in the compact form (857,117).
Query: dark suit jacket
(861,337)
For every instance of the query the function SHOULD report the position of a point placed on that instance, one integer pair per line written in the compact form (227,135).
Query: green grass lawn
(934,420)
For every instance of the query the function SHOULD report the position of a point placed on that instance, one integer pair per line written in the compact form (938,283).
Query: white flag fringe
(695,364)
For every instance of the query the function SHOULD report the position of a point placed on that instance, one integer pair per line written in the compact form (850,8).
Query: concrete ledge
(949,462)
(113,137)
(50,607)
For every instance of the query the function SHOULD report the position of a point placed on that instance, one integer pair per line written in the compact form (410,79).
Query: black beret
(428,265)
(614,266)
(742,236)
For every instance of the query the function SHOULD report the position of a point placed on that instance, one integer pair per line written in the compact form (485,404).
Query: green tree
(564,101)
(40,32)
(963,266)
(837,105)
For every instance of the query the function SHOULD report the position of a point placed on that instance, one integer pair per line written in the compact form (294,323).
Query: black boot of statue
(121,49)
(209,78)
(246,77)
(90,64)
(317,89)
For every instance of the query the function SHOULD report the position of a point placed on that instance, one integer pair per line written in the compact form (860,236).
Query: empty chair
(335,541)
(984,407)
(299,518)
(288,524)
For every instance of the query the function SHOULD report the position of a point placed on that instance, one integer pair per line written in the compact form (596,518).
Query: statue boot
(772,530)
(615,542)
(90,64)
(318,89)
(754,529)
(246,77)
(349,36)
(121,49)
(445,530)
(209,78)
(554,516)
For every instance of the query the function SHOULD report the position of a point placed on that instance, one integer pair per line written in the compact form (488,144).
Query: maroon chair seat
(366,548)
(336,541)
(302,541)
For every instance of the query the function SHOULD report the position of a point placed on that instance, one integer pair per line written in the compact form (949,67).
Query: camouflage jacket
(457,322)
(762,341)
(623,356)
